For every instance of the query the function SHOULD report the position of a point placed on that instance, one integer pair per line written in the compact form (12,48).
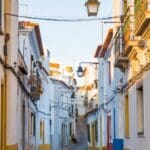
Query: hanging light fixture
(80,71)
(92,7)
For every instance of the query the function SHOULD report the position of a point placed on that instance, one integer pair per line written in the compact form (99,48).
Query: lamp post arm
(87,62)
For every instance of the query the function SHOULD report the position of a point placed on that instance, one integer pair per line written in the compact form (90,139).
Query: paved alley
(81,136)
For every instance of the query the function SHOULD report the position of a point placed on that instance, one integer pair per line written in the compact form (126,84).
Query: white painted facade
(36,122)
(43,114)
(136,141)
(62,113)
(80,102)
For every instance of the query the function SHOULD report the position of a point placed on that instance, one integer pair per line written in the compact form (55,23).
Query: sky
(68,42)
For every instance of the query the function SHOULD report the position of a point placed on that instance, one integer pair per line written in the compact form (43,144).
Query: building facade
(62,114)
(8,79)
(34,74)
(124,79)
(136,73)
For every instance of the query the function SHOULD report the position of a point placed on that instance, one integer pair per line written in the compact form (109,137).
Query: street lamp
(92,7)
(80,70)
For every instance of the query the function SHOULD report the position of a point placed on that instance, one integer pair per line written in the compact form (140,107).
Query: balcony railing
(120,60)
(128,27)
(142,15)
(36,86)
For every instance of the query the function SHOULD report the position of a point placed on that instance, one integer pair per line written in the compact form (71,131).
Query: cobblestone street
(81,136)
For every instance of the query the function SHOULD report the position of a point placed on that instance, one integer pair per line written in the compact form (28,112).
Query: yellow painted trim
(93,134)
(3,115)
(44,147)
(81,116)
(104,148)
(12,147)
(96,148)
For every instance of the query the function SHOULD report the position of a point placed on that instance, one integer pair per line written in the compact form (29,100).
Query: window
(109,70)
(89,137)
(126,107)
(32,124)
(96,131)
(70,126)
(72,109)
(140,110)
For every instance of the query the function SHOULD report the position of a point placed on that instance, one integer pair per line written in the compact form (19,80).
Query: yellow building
(134,61)
(8,79)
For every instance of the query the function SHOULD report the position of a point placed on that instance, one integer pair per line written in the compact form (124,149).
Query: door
(32,130)
(93,136)
(109,136)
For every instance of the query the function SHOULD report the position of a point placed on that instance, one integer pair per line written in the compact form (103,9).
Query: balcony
(36,86)
(142,18)
(129,39)
(121,62)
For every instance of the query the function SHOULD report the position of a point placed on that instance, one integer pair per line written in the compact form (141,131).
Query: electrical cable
(62,19)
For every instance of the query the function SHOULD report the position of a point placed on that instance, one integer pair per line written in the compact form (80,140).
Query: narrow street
(81,136)
(61,59)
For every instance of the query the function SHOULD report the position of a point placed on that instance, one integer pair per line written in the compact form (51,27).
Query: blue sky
(69,43)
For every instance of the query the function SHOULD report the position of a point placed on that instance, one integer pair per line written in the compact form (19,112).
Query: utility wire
(62,19)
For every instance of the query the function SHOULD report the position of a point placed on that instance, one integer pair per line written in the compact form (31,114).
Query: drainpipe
(4,124)
(114,113)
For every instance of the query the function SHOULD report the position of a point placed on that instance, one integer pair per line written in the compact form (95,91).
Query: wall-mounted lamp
(92,7)
(80,70)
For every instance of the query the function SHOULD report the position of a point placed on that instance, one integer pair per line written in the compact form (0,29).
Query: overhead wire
(62,19)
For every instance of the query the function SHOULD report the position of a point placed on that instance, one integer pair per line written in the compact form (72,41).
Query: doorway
(109,133)
(93,136)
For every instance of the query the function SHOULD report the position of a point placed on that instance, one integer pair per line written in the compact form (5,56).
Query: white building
(34,107)
(136,82)
(89,93)
(62,114)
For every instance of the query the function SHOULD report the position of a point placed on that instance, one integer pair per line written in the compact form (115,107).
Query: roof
(62,82)
(86,87)
(30,25)
(54,65)
(97,51)
(101,50)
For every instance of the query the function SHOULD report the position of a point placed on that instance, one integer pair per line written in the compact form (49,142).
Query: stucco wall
(134,141)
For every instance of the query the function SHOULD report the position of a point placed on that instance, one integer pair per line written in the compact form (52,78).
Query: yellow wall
(44,147)
(12,147)
(96,148)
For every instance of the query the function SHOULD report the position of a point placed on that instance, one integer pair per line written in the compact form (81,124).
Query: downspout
(114,113)
(5,86)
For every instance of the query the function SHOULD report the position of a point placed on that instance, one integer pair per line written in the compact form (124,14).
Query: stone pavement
(81,136)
